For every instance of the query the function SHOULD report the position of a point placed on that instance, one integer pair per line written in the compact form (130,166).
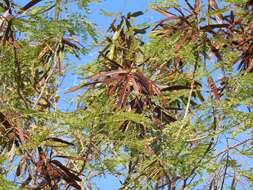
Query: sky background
(102,23)
(67,101)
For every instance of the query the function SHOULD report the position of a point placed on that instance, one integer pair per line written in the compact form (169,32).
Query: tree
(154,113)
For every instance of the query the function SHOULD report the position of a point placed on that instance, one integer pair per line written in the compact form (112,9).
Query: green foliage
(155,114)
(5,184)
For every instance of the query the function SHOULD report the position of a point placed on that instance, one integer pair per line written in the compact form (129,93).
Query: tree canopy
(165,105)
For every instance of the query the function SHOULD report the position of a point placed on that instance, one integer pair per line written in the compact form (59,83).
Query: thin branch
(189,98)
(18,74)
(232,147)
(50,73)
(225,172)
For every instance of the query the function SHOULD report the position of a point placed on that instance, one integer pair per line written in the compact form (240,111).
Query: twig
(225,172)
(18,74)
(50,73)
(189,98)
(232,147)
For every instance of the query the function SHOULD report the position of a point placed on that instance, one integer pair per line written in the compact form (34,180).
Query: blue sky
(67,101)
(102,22)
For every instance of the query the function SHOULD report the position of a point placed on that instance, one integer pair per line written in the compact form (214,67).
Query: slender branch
(232,147)
(18,75)
(50,73)
(225,172)
(189,98)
